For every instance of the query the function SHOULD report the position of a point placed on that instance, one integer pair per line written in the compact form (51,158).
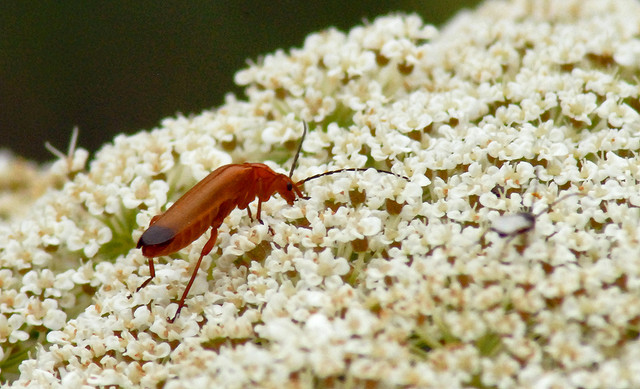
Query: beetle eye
(289,186)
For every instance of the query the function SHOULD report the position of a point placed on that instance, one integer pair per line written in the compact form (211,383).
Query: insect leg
(152,274)
(259,210)
(259,219)
(205,250)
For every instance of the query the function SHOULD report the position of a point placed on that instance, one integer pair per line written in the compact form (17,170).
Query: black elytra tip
(156,235)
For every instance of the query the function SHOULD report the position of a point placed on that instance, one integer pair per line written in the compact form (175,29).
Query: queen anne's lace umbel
(372,280)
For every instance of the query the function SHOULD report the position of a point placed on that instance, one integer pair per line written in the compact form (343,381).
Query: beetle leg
(153,219)
(249,212)
(260,220)
(152,270)
(152,274)
(259,210)
(205,250)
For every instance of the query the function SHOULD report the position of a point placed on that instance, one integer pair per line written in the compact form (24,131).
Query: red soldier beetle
(210,201)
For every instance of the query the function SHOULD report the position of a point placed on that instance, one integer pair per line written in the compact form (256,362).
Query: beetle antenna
(351,169)
(295,159)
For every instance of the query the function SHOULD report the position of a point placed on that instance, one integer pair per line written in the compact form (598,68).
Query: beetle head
(287,189)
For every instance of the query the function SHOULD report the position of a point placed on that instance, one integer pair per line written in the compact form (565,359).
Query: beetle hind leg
(205,250)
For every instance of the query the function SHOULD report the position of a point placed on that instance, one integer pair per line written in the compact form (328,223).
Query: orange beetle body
(206,205)
(211,200)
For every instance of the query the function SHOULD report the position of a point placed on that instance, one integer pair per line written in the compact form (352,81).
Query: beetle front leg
(259,211)
(260,220)
(250,215)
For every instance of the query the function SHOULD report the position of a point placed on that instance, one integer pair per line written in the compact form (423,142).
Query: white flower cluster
(371,281)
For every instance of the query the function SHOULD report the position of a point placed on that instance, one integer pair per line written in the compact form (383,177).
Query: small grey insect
(514,224)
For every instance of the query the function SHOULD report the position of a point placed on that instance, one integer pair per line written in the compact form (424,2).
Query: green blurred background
(113,67)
